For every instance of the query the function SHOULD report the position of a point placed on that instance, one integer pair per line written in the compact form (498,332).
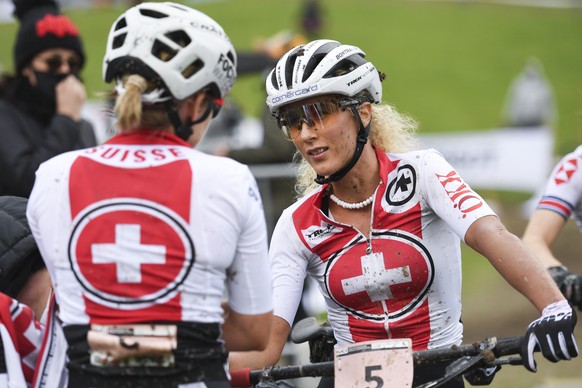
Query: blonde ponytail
(128,106)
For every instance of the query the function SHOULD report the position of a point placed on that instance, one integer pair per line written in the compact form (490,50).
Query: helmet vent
(119,40)
(122,23)
(180,37)
(317,57)
(193,68)
(162,51)
(346,66)
(230,55)
(289,67)
(152,14)
(274,80)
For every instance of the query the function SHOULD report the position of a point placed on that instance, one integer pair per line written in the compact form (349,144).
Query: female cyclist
(378,226)
(143,236)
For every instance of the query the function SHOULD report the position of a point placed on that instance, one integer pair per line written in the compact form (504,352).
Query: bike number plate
(375,364)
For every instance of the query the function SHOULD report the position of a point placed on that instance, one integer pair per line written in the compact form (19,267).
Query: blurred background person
(530,99)
(312,18)
(41,103)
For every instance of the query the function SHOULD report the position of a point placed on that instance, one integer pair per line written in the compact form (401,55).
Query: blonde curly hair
(390,131)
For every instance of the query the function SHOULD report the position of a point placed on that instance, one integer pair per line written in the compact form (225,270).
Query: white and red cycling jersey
(402,281)
(563,193)
(145,228)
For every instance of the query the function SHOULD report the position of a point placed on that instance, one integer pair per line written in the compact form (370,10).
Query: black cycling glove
(569,283)
(553,334)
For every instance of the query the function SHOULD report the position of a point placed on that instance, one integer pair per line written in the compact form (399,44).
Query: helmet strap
(360,143)
(184,130)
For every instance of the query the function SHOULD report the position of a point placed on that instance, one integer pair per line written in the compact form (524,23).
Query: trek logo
(460,194)
(566,170)
(316,234)
(354,81)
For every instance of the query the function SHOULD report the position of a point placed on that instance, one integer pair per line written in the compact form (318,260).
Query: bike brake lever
(455,369)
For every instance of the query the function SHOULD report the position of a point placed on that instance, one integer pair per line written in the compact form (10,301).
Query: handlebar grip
(508,346)
(240,378)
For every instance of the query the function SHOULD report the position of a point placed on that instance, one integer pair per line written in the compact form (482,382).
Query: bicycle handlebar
(491,348)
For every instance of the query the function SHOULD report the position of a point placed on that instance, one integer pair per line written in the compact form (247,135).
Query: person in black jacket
(25,294)
(23,274)
(41,104)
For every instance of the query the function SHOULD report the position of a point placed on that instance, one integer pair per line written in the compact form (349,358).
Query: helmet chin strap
(360,143)
(184,130)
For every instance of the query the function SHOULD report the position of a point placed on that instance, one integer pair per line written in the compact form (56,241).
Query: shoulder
(417,158)
(218,166)
(59,163)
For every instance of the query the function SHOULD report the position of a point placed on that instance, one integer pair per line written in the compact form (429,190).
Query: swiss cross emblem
(391,282)
(130,252)
(566,170)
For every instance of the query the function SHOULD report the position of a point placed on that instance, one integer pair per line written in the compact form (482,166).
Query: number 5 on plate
(375,364)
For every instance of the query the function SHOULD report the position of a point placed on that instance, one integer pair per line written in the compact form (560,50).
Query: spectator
(40,105)
(311,18)
(530,99)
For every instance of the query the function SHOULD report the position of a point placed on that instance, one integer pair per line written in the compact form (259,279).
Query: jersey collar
(148,137)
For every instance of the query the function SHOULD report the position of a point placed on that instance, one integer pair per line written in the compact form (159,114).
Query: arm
(553,332)
(522,270)
(270,355)
(540,234)
(248,311)
(25,144)
(243,332)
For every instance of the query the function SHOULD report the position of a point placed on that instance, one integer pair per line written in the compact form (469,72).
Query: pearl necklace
(351,206)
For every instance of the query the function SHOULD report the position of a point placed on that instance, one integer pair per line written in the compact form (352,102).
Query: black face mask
(40,100)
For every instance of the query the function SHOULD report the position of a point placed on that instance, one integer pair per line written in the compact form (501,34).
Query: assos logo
(460,194)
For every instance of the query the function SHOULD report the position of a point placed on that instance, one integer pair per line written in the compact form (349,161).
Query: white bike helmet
(322,67)
(182,48)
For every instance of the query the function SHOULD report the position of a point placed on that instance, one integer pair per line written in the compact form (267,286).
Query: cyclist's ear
(365,111)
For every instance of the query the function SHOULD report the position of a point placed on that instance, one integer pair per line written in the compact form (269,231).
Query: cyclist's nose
(307,129)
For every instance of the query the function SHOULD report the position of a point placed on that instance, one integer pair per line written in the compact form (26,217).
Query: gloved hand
(553,333)
(569,283)
(482,376)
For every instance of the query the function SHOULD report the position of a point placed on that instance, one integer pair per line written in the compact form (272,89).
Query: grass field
(448,64)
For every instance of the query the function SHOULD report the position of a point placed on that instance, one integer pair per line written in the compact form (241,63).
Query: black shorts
(200,356)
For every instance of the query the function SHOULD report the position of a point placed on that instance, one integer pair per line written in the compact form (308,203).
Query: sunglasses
(55,63)
(291,119)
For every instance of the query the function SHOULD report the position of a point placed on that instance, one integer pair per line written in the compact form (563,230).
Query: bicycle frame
(464,358)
